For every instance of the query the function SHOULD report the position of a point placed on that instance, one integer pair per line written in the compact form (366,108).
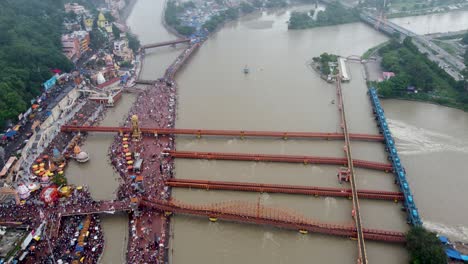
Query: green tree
(126,64)
(116,31)
(133,42)
(466,57)
(246,8)
(335,14)
(185,30)
(59,179)
(109,17)
(98,39)
(30,46)
(424,247)
(465,39)
(257,3)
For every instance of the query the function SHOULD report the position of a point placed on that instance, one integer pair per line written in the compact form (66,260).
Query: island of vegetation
(418,78)
(334,14)
(326,65)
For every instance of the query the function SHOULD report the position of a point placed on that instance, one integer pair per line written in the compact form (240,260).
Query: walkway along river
(282,94)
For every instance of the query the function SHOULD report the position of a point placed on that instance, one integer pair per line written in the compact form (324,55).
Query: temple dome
(82,157)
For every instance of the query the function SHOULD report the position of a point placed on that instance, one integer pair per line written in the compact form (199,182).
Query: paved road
(54,97)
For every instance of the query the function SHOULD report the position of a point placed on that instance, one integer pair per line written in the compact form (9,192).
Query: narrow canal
(282,93)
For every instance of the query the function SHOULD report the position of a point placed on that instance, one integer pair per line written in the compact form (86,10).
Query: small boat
(213,219)
(302,231)
(246,69)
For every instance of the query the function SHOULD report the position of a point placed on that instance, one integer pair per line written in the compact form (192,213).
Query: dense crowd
(155,107)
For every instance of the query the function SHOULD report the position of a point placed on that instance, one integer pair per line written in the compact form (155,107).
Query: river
(283,93)
(435,23)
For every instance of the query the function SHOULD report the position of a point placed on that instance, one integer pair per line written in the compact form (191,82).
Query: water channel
(283,93)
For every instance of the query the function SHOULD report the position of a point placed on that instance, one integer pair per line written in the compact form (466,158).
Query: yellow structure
(136,132)
(88,23)
(65,191)
(76,150)
(102,21)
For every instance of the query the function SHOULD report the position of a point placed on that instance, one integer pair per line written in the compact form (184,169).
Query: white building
(122,50)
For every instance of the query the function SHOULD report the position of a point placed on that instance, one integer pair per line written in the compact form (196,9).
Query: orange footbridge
(280,188)
(280,158)
(234,133)
(256,213)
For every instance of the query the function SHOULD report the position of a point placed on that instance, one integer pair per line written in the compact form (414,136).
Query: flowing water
(283,93)
(435,23)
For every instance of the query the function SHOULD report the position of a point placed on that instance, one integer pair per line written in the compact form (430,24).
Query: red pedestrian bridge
(387,167)
(236,211)
(234,133)
(256,213)
(281,188)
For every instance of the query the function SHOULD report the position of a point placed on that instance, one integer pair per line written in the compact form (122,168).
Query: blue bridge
(399,171)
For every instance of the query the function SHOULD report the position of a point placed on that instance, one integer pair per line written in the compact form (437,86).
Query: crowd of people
(155,107)
(66,247)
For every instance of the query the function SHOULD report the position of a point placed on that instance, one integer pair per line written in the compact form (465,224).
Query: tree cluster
(133,42)
(414,69)
(170,15)
(465,39)
(323,62)
(59,179)
(334,14)
(246,8)
(275,3)
(30,47)
(425,247)
(213,23)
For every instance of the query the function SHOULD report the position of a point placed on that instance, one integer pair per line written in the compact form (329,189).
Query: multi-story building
(83,38)
(75,8)
(75,44)
(71,47)
(122,50)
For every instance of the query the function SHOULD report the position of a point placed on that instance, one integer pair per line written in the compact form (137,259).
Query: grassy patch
(372,50)
(446,46)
